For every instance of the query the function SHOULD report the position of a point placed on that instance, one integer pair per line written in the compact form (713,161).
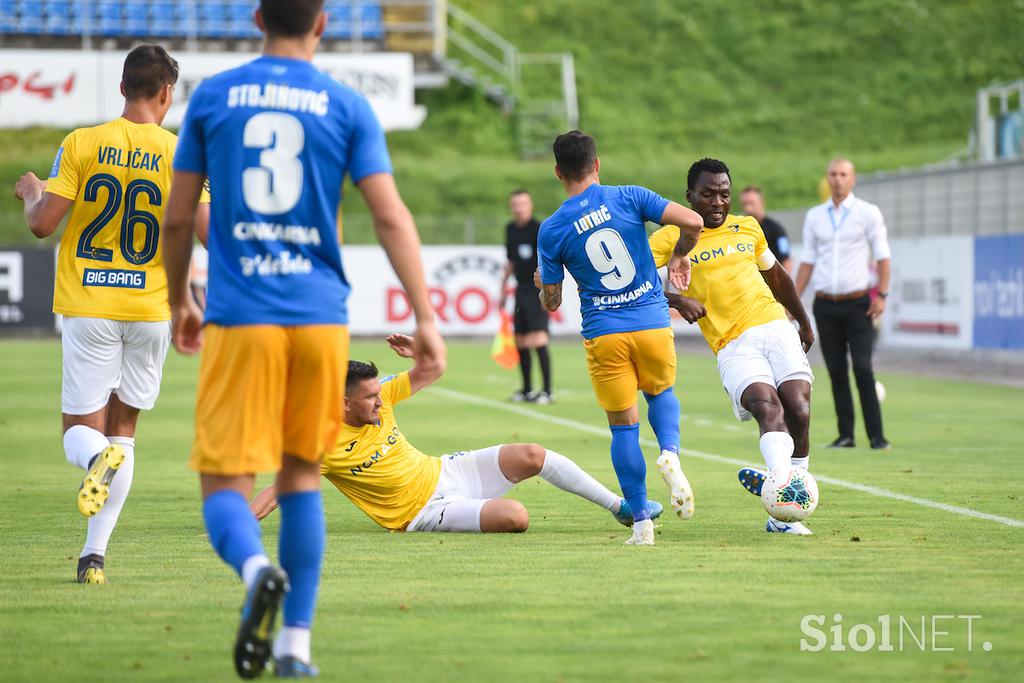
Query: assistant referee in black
(841,238)
(530,319)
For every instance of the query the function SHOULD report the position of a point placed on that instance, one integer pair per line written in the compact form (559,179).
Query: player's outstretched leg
(663,414)
(631,470)
(524,460)
(235,535)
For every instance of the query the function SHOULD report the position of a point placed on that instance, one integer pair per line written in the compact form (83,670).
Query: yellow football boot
(95,488)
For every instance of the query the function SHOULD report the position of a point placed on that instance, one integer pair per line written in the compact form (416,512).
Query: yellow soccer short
(624,362)
(265,391)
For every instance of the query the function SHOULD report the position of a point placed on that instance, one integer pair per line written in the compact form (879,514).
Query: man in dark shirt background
(752,200)
(530,319)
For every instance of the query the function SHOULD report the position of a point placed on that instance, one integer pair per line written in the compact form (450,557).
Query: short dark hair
(357,372)
(753,188)
(705,165)
(518,191)
(575,153)
(147,69)
(293,18)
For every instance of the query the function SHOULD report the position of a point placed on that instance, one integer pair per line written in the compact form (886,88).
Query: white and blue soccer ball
(789,494)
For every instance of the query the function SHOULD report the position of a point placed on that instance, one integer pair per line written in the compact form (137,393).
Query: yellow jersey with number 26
(118,175)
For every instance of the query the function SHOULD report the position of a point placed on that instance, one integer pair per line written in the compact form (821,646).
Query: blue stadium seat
(8,16)
(164,20)
(212,18)
(31,19)
(60,20)
(136,18)
(240,23)
(371,20)
(339,20)
(109,18)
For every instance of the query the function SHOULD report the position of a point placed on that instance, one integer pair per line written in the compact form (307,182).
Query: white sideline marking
(842,483)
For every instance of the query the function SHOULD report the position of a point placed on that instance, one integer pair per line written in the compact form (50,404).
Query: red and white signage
(69,88)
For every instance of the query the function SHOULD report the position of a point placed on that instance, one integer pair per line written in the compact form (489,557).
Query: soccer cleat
(95,488)
(293,667)
(643,533)
(520,397)
(842,442)
(90,569)
(542,398)
(752,480)
(679,491)
(774,526)
(252,645)
(879,443)
(625,516)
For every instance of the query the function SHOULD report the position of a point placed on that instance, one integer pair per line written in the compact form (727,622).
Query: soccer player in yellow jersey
(403,489)
(110,287)
(739,294)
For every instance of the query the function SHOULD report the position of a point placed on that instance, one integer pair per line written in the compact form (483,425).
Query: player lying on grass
(736,294)
(402,489)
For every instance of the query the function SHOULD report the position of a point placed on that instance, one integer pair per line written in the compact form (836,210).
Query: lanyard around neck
(832,217)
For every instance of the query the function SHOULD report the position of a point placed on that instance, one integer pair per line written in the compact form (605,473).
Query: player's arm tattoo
(551,296)
(687,241)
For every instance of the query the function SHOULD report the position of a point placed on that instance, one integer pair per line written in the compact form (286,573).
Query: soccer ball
(789,494)
(880,391)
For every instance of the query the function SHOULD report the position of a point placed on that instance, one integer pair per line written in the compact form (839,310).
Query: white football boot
(643,533)
(774,526)
(679,491)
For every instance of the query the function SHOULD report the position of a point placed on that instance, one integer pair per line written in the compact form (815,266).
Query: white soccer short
(103,356)
(769,353)
(468,480)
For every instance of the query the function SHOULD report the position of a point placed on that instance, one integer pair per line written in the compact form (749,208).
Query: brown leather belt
(842,297)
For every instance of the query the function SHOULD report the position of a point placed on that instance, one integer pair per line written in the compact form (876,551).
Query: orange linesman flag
(503,348)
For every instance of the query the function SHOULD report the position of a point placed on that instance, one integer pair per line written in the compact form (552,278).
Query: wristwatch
(884,295)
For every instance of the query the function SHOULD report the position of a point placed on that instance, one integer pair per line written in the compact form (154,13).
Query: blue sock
(233,530)
(630,468)
(301,548)
(663,414)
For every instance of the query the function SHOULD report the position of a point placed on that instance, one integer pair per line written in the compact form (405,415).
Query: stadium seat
(371,20)
(240,23)
(339,21)
(212,17)
(109,18)
(165,20)
(136,18)
(31,19)
(8,16)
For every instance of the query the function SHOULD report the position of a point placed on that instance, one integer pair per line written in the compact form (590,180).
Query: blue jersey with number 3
(276,137)
(600,236)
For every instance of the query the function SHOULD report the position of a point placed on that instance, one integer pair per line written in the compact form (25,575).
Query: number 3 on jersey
(609,255)
(275,186)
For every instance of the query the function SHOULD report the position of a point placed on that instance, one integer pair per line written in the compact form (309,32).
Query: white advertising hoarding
(463,282)
(69,88)
(930,302)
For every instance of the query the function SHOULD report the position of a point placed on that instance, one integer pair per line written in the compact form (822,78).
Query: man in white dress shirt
(841,238)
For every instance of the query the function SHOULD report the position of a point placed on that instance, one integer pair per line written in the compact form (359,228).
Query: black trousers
(845,325)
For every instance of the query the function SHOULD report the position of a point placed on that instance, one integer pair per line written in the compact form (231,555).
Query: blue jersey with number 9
(276,137)
(600,236)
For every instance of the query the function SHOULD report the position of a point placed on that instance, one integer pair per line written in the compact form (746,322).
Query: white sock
(294,642)
(562,472)
(81,443)
(252,567)
(802,463)
(101,525)
(777,449)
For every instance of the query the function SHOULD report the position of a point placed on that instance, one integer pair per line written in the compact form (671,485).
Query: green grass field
(715,599)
